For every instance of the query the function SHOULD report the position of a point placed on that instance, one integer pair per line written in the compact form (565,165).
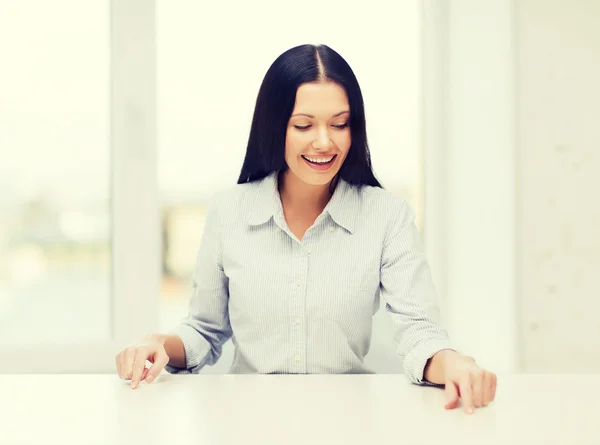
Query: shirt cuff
(416,359)
(196,350)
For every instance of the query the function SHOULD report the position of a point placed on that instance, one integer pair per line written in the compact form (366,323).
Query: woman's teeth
(318,160)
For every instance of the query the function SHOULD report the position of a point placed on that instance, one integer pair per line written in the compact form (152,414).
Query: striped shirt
(306,306)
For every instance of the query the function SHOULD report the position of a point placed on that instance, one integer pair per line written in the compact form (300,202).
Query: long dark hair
(265,152)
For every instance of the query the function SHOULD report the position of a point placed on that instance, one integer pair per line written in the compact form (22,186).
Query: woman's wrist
(435,368)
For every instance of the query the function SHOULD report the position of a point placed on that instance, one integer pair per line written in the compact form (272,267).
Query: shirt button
(308,250)
(299,283)
(331,228)
(297,357)
(297,320)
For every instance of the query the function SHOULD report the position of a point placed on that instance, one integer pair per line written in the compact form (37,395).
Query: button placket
(297,305)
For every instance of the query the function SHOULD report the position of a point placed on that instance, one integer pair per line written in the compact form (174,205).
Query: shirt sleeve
(408,290)
(206,327)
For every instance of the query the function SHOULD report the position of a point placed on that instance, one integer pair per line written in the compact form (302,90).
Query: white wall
(559,162)
(512,141)
(470,173)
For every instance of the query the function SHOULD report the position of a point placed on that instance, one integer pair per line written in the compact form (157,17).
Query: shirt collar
(268,202)
(342,207)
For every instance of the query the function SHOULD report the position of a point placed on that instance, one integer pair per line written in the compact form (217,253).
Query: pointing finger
(451,395)
(138,366)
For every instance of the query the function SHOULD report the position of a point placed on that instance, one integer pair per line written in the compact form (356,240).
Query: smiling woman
(204,116)
(299,131)
(294,261)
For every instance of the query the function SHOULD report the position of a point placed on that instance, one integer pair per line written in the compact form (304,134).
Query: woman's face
(318,132)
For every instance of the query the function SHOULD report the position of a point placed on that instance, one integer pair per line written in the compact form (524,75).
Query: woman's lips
(320,166)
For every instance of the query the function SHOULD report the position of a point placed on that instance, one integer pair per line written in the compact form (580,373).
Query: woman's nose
(323,140)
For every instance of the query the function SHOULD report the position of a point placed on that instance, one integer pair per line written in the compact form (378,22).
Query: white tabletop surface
(291,410)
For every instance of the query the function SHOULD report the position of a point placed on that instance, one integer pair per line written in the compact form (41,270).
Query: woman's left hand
(474,385)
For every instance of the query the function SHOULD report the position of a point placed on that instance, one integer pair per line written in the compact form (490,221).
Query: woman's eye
(306,127)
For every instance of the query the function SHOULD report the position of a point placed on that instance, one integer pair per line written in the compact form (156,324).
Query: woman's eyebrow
(312,117)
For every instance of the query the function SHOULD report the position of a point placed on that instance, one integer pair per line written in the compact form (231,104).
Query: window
(79,236)
(55,250)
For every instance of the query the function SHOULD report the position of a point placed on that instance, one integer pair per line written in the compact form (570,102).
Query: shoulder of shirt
(378,201)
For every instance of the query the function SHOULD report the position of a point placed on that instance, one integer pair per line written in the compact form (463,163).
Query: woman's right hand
(131,362)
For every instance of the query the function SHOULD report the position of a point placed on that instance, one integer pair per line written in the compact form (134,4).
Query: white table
(291,410)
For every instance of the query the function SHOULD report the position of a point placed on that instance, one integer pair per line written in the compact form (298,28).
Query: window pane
(209,77)
(54,172)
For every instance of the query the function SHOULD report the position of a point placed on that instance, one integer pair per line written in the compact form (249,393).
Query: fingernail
(133,385)
(470,410)
(149,378)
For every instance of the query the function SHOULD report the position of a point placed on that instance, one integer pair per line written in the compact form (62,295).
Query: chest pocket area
(348,291)
(260,277)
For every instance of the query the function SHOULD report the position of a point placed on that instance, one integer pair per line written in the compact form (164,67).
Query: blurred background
(483,115)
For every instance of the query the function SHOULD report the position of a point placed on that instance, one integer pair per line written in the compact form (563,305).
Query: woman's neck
(302,197)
